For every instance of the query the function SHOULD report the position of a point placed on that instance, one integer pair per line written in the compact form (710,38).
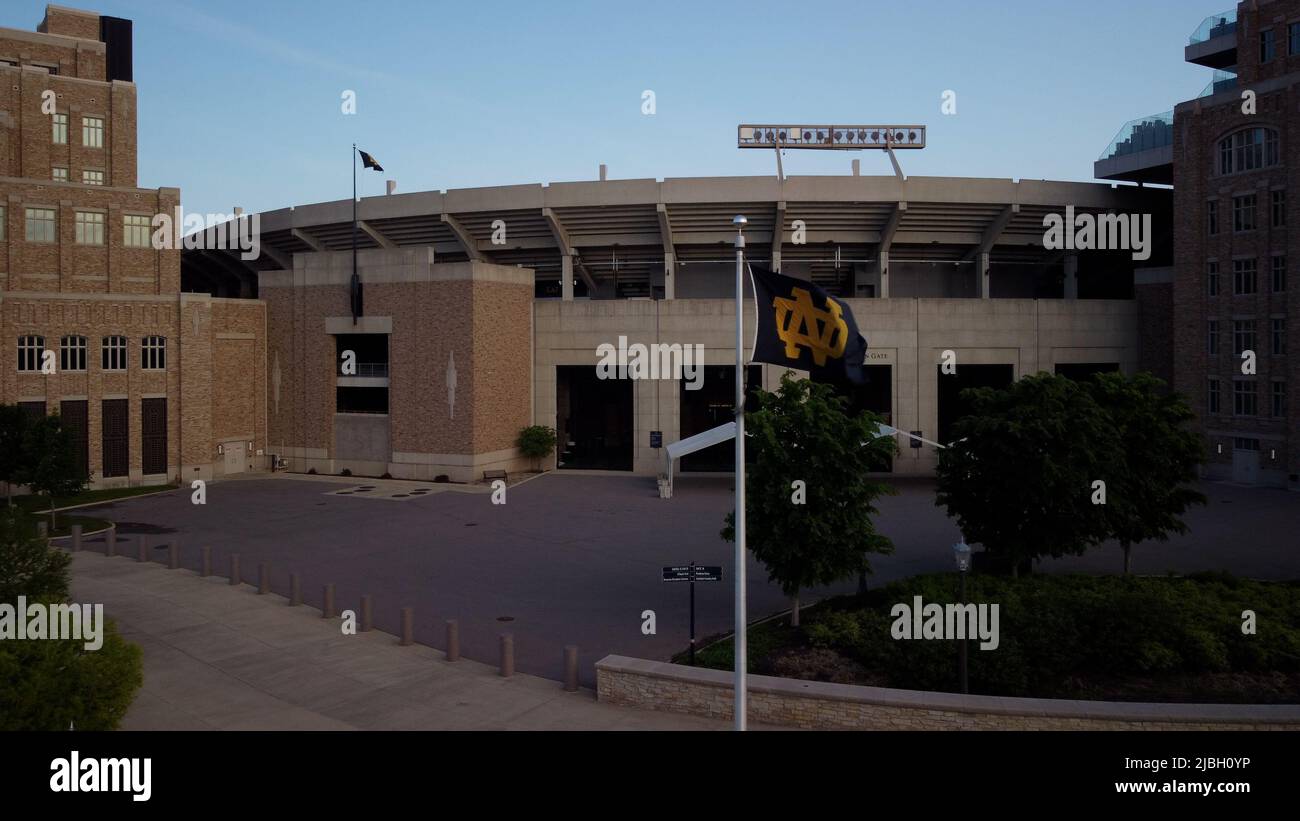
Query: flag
(801,326)
(368,161)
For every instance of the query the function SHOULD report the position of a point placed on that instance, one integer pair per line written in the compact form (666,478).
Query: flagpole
(354,226)
(741,696)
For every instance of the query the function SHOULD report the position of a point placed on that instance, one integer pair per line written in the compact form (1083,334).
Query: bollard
(295,590)
(43,529)
(205,561)
(263,579)
(327,606)
(110,541)
(76,538)
(507,655)
(174,556)
(571,668)
(366,623)
(142,551)
(234,569)
(453,640)
(408,627)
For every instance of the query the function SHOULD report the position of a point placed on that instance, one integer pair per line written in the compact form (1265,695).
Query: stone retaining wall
(675,688)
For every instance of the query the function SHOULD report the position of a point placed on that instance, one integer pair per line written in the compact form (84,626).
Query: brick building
(157,384)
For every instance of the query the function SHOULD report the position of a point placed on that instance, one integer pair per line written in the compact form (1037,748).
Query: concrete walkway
(222,657)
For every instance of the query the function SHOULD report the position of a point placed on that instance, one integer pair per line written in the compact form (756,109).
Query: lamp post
(961,554)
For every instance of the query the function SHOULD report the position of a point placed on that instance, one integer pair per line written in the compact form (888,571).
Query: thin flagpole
(354,227)
(741,696)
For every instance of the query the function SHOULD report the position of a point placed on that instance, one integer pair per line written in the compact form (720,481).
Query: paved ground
(217,657)
(576,559)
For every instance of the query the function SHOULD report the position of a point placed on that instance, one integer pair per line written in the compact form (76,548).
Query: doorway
(593,419)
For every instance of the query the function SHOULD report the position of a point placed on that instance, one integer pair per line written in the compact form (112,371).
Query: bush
(537,441)
(345,472)
(28,567)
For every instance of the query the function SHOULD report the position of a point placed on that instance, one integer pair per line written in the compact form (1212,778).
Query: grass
(39,504)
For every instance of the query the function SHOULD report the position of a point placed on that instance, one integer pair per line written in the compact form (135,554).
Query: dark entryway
(116,441)
(153,436)
(876,395)
(75,417)
(593,418)
(708,407)
(951,406)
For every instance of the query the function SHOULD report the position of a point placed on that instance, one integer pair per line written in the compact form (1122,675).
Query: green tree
(536,442)
(51,461)
(1018,478)
(13,427)
(820,532)
(1147,489)
(28,566)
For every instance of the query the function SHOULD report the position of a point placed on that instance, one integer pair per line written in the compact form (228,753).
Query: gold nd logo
(799,322)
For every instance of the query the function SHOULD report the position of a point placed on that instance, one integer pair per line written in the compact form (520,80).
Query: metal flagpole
(741,696)
(354,232)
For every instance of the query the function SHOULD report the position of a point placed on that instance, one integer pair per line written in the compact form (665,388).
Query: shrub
(28,566)
(345,472)
(536,442)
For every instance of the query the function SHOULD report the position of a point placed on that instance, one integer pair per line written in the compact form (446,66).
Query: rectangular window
(1212,278)
(1267,45)
(1245,399)
(153,436)
(92,177)
(75,416)
(1212,337)
(113,353)
(60,124)
(1243,213)
(135,231)
(72,353)
(40,225)
(153,353)
(1243,335)
(1244,443)
(1212,395)
(1212,217)
(92,132)
(59,174)
(1279,274)
(31,350)
(1278,200)
(90,228)
(1243,276)
(1279,399)
(1293,39)
(116,437)
(1278,333)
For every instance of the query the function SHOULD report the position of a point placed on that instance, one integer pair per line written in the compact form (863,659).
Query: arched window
(1248,150)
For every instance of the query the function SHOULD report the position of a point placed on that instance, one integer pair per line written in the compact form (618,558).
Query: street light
(961,554)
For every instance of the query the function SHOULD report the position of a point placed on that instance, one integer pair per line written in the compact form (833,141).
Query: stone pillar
(883,290)
(982,275)
(566,277)
(776,260)
(1072,276)
(670,271)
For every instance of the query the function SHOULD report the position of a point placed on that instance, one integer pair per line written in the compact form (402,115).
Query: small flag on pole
(803,327)
(369,161)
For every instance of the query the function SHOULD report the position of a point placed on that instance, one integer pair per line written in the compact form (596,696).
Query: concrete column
(174,556)
(142,550)
(263,578)
(982,274)
(1072,276)
(76,538)
(883,290)
(234,569)
(670,275)
(327,603)
(507,655)
(110,541)
(571,668)
(408,627)
(367,620)
(295,590)
(566,277)
(453,640)
(776,260)
(205,561)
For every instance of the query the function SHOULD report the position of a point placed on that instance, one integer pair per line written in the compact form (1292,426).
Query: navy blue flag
(801,326)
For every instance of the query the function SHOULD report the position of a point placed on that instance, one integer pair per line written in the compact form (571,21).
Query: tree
(28,565)
(1147,490)
(51,461)
(809,500)
(13,426)
(1018,478)
(536,442)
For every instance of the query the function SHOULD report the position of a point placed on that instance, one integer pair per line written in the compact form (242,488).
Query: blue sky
(240,102)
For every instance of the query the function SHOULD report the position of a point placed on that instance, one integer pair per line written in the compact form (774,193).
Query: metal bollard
(571,668)
(295,590)
(507,655)
(327,606)
(110,541)
(366,623)
(453,640)
(174,556)
(142,551)
(76,538)
(234,569)
(408,627)
(205,561)
(263,579)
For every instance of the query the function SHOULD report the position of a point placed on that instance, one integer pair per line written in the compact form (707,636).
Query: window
(1245,399)
(153,353)
(153,436)
(40,225)
(1212,217)
(1279,399)
(1243,335)
(1212,278)
(72,353)
(135,231)
(1278,328)
(92,132)
(113,353)
(1293,39)
(1267,45)
(92,177)
(1243,213)
(115,429)
(1212,338)
(90,228)
(1212,396)
(1244,443)
(1243,276)
(60,125)
(31,350)
(59,174)
(1279,274)
(1247,150)
(1279,208)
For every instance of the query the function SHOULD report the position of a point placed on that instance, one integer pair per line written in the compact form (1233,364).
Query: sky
(240,104)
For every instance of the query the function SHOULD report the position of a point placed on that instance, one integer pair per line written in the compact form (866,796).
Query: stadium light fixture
(885,138)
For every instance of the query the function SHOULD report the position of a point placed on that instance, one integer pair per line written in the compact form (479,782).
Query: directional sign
(693,573)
